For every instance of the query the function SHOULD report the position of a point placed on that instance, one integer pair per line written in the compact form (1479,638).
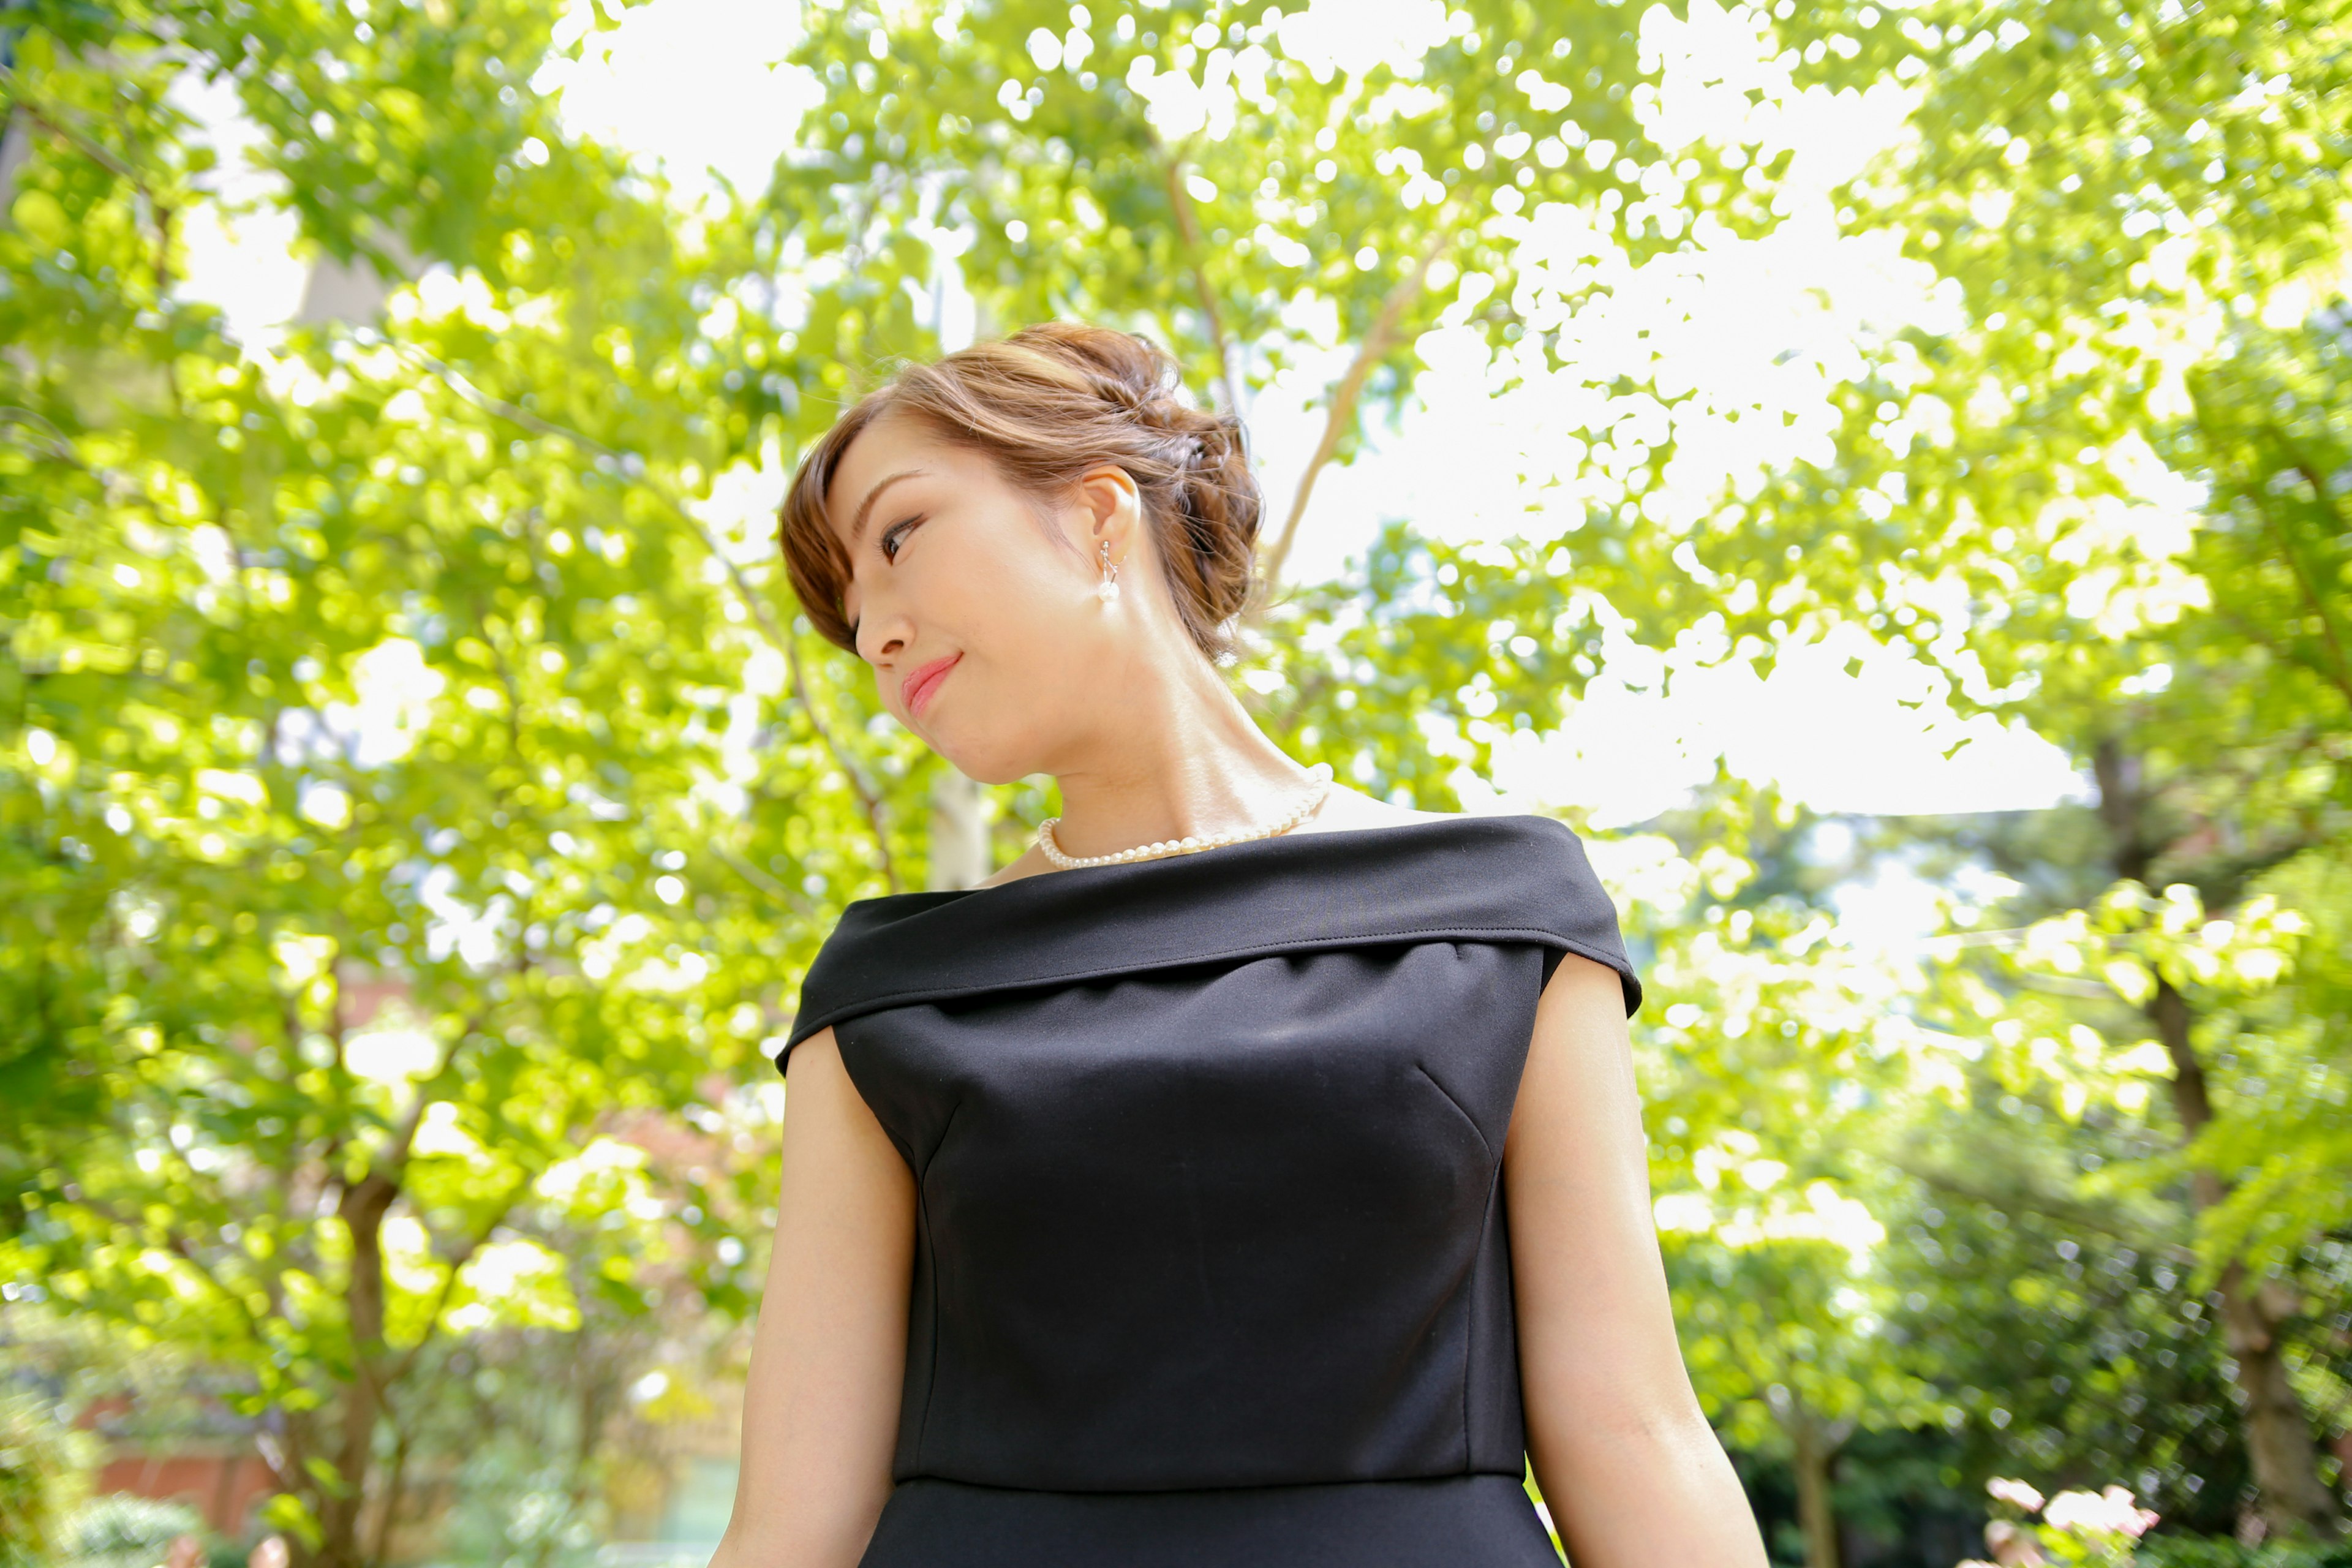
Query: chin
(987,764)
(947,747)
(987,770)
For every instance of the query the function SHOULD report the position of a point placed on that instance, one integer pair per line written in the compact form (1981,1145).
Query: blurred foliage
(43,1471)
(127,1531)
(2073,1354)
(418,795)
(2207,1552)
(224,1127)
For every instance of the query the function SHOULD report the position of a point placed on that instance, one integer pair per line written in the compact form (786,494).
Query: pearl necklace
(1192,844)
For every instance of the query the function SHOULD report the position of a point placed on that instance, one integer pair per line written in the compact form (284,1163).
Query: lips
(920,682)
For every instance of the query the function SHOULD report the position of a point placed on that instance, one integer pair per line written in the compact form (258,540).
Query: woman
(1146,1204)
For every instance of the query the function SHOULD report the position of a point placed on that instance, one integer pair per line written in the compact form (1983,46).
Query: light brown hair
(1047,405)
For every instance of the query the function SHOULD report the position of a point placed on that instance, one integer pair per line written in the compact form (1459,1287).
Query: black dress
(1210,1260)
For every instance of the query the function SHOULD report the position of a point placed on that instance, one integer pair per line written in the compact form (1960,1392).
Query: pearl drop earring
(1108,589)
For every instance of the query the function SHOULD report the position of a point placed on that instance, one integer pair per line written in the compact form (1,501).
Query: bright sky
(689,83)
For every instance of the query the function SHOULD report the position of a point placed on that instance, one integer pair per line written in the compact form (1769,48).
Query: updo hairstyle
(1047,405)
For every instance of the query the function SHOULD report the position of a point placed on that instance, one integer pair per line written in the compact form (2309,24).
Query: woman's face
(984,630)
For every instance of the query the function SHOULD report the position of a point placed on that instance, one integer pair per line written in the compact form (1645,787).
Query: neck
(1183,760)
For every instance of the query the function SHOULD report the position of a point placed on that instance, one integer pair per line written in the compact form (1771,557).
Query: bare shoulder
(1029,863)
(1346,809)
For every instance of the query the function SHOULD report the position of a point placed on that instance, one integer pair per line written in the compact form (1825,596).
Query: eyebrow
(857,523)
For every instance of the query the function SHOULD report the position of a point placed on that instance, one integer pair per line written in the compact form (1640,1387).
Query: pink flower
(2017,1492)
(2111,1512)
(2133,1522)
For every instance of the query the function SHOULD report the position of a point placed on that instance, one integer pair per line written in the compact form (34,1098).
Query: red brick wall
(225,1488)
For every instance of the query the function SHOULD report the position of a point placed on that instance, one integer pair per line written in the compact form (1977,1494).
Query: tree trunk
(15,146)
(959,856)
(2280,1448)
(352,291)
(1815,1514)
(338,1505)
(396,1488)
(595,1390)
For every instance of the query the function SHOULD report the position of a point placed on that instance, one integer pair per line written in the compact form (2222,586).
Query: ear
(1111,509)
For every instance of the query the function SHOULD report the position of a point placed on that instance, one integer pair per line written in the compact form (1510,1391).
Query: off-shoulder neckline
(1223,852)
(1494,876)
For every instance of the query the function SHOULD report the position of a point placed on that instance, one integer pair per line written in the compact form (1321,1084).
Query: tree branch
(179,1246)
(1342,415)
(2064,1211)
(464,1256)
(60,449)
(2342,673)
(758,879)
(97,153)
(1188,227)
(395,1486)
(2341,676)
(869,800)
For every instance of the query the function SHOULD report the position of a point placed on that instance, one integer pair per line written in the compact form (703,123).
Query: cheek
(1027,621)
(1029,625)
(1020,594)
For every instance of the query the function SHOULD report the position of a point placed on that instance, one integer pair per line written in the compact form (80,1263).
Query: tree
(2114,234)
(403,781)
(1130,146)
(2067,1329)
(1772,1058)
(441,654)
(1209,176)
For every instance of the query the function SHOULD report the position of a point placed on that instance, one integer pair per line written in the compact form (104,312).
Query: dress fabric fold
(1212,1256)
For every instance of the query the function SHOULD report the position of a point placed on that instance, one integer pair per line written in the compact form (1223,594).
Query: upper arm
(821,1402)
(1597,1345)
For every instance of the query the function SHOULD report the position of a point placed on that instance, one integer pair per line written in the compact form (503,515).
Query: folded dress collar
(1497,879)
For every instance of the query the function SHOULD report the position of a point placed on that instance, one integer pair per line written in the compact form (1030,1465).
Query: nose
(883,628)
(880,636)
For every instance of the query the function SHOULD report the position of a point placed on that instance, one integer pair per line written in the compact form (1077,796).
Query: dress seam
(1475,1130)
(930,1247)
(1470,1335)
(1470,1473)
(881,1000)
